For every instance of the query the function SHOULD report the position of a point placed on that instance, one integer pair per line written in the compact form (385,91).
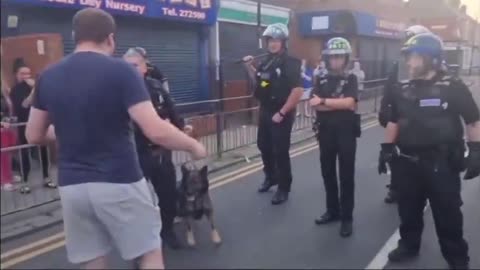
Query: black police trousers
(430,176)
(395,175)
(342,143)
(160,171)
(273,141)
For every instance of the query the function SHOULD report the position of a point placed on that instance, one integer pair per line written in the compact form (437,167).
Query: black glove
(473,161)
(387,153)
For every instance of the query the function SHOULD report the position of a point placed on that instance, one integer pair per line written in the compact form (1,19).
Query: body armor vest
(425,117)
(272,83)
(155,89)
(330,86)
(335,86)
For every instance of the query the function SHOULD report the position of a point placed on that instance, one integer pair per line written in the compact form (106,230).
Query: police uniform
(431,155)
(156,162)
(276,76)
(337,136)
(398,73)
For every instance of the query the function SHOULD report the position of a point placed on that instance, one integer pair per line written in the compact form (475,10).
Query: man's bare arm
(473,132)
(292,101)
(323,108)
(391,132)
(162,132)
(347,103)
(38,131)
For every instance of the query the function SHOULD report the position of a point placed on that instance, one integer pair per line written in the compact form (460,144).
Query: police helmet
(276,31)
(425,45)
(415,30)
(338,46)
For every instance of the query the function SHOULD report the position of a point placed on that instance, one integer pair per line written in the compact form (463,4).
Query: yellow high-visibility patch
(264,84)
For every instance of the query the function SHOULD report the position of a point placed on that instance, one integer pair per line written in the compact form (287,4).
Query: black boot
(391,197)
(266,185)
(346,228)
(327,218)
(401,254)
(459,264)
(279,197)
(170,239)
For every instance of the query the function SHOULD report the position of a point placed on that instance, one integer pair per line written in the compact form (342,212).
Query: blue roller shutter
(173,47)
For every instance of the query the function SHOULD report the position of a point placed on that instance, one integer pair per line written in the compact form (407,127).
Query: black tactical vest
(272,83)
(425,117)
(332,86)
(155,89)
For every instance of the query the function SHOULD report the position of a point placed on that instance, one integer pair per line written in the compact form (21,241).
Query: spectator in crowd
(21,95)
(307,78)
(320,70)
(357,71)
(7,139)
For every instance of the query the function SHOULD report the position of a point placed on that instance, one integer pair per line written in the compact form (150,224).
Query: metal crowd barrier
(221,130)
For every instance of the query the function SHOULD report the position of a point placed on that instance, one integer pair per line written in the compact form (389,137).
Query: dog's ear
(185,170)
(204,172)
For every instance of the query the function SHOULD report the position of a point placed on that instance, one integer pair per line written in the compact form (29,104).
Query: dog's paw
(216,239)
(190,239)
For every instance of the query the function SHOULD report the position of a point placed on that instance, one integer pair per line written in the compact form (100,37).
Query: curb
(50,220)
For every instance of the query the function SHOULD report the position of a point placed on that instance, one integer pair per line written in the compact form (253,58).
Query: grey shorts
(98,216)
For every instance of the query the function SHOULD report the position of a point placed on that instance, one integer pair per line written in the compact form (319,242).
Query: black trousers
(25,166)
(395,174)
(338,143)
(160,171)
(431,178)
(273,141)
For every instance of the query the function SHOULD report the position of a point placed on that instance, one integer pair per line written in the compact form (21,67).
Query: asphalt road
(258,235)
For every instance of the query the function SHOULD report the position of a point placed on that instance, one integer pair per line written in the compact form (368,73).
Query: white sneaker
(8,187)
(17,178)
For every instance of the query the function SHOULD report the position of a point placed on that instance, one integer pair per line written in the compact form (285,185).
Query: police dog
(194,201)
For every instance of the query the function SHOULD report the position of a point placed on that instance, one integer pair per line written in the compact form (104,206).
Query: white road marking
(380,260)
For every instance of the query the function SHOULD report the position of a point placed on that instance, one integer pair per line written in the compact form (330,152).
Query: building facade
(175,33)
(374,29)
(458,30)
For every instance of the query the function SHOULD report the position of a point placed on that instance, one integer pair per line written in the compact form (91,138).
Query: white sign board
(320,23)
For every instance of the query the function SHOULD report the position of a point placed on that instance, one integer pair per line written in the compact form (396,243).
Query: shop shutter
(236,41)
(173,47)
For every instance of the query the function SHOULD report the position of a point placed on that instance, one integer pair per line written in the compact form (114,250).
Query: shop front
(174,33)
(375,41)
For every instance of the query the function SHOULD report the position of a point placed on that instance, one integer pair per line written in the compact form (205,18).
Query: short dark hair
(92,24)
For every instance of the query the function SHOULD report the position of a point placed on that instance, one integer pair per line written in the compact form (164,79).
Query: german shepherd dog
(194,201)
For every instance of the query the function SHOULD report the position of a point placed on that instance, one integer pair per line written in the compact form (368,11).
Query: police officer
(156,162)
(337,126)
(152,70)
(425,134)
(397,73)
(279,90)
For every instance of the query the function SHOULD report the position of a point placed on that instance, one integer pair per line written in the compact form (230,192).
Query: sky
(473,8)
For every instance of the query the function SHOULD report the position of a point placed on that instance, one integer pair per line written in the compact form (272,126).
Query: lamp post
(259,23)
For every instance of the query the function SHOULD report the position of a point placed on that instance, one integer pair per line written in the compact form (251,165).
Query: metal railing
(225,126)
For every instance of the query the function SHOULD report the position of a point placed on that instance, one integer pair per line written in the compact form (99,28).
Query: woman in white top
(357,71)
